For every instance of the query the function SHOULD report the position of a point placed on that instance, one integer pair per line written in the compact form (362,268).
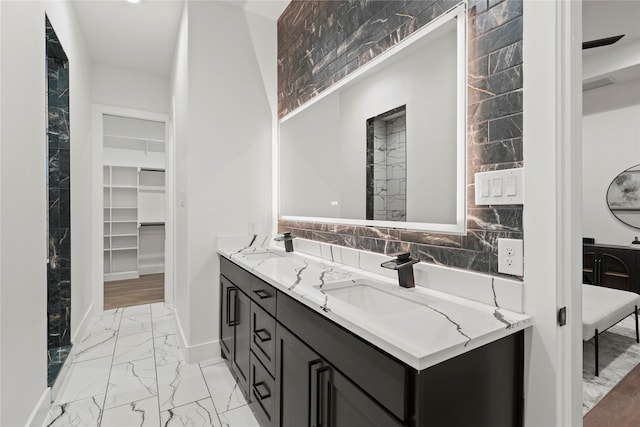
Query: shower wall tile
(59,198)
(321,42)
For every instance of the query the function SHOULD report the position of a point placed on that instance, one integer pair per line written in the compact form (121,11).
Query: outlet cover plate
(510,257)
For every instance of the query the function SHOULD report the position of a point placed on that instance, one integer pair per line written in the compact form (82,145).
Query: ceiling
(143,36)
(605,18)
(618,63)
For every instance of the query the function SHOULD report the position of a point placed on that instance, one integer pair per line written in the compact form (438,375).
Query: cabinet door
(345,405)
(242,341)
(227,314)
(296,365)
(616,268)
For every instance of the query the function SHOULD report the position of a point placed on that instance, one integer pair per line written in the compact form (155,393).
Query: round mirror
(623,196)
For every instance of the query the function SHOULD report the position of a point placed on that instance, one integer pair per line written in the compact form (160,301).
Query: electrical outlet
(510,257)
(251,227)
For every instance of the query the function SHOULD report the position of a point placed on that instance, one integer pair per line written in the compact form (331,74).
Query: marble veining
(142,413)
(82,413)
(200,413)
(455,324)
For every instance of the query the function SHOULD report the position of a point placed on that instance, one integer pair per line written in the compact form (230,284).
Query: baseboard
(84,324)
(151,269)
(198,352)
(39,413)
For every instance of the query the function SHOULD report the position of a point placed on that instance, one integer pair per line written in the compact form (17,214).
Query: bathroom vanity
(317,343)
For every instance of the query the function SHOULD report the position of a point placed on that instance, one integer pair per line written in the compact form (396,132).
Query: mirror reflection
(387,166)
(387,148)
(623,196)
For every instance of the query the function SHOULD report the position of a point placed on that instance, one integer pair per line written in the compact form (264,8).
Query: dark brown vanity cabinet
(302,369)
(611,266)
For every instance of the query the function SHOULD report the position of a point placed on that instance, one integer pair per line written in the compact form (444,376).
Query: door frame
(97,230)
(552,105)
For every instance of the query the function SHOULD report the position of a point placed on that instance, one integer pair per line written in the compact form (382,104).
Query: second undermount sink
(369,297)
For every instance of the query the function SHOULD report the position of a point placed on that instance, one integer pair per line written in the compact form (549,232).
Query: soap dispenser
(635,241)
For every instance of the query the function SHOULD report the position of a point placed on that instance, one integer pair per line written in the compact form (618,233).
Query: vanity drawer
(237,275)
(263,337)
(264,294)
(262,392)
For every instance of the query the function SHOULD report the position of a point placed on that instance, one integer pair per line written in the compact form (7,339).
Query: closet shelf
(134,138)
(151,188)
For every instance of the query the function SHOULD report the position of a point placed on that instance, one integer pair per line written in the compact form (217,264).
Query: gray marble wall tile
(505,128)
(506,57)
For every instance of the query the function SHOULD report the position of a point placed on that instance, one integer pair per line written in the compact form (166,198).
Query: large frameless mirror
(386,145)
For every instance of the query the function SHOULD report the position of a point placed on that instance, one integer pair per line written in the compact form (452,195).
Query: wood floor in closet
(125,293)
(619,408)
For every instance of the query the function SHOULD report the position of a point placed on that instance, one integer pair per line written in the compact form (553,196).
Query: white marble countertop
(440,326)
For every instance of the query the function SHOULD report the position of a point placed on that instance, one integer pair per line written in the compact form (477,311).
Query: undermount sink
(369,297)
(260,255)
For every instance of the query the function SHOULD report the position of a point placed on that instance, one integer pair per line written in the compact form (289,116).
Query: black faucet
(288,241)
(404,265)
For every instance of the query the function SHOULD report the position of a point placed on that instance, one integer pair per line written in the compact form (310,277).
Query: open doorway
(610,153)
(134,206)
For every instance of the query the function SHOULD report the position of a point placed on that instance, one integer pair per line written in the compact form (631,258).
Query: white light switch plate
(502,187)
(510,257)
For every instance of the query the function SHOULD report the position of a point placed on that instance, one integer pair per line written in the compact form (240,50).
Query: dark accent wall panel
(58,184)
(320,42)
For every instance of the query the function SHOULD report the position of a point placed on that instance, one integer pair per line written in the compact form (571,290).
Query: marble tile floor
(619,354)
(128,371)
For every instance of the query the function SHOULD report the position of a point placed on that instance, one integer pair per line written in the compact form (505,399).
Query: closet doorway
(134,209)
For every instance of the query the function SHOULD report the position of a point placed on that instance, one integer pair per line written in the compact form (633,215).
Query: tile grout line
(104,401)
(155,362)
(210,395)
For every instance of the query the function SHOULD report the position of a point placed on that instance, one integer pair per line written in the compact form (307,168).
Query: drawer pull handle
(262,334)
(262,294)
(260,395)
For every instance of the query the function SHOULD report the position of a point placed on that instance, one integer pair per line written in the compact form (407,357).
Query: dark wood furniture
(611,266)
(306,370)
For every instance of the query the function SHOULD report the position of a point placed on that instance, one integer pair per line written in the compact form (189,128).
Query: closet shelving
(134,197)
(120,222)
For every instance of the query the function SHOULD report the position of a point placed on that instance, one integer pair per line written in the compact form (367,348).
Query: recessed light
(133,1)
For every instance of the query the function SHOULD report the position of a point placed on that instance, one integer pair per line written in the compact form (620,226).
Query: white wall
(610,145)
(180,94)
(120,87)
(223,154)
(23,290)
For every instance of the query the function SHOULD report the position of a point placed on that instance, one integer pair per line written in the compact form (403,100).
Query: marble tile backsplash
(321,42)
